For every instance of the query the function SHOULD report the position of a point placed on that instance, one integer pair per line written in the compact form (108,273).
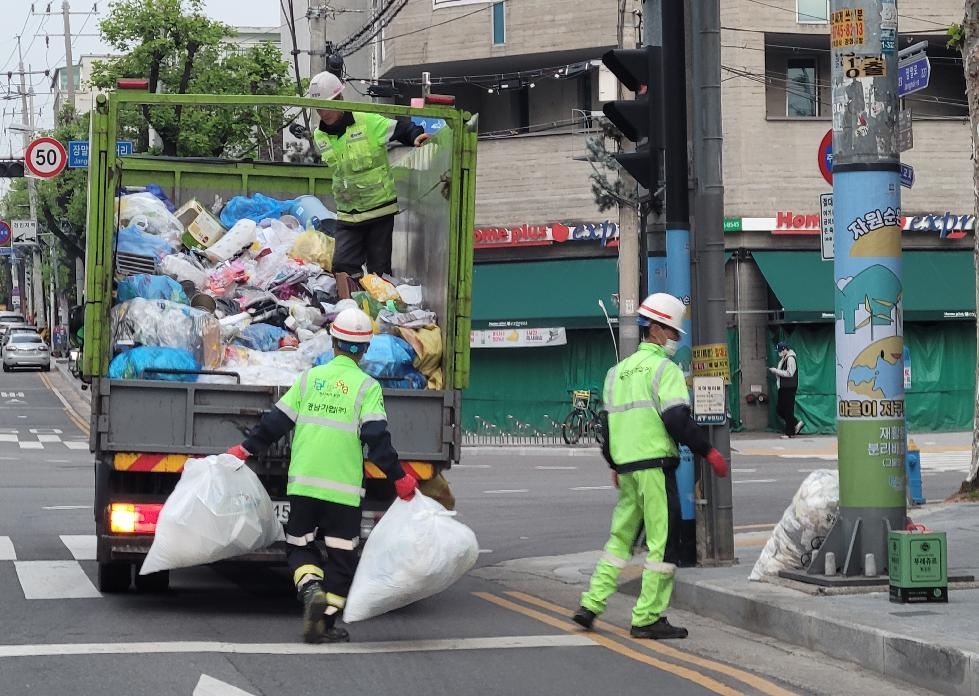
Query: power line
(825,19)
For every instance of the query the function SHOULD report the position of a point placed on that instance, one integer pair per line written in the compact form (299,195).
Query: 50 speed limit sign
(45,157)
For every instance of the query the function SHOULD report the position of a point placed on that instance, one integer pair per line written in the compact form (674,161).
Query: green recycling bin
(917,563)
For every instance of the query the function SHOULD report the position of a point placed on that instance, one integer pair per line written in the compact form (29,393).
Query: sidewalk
(935,646)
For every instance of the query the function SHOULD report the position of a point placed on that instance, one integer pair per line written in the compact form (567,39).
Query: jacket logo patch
(318,384)
(342,386)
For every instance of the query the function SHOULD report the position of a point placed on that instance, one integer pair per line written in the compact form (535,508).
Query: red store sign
(524,235)
(945,225)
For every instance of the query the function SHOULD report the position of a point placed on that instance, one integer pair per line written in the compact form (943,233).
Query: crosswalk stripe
(48,438)
(31,445)
(54,580)
(81,546)
(76,444)
(7,437)
(7,552)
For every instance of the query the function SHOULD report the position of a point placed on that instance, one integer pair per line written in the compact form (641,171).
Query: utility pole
(69,62)
(717,543)
(870,414)
(36,304)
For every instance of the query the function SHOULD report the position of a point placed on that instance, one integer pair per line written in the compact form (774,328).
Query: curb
(940,667)
(523,451)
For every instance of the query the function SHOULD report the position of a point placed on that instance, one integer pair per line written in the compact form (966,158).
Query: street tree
(179,50)
(965,37)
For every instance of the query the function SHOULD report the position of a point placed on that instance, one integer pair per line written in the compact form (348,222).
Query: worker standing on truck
(354,146)
(648,409)
(336,409)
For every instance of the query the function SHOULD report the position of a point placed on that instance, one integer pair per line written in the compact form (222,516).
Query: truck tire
(115,577)
(154,582)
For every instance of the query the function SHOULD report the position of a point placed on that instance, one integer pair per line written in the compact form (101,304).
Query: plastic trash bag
(184,267)
(418,549)
(388,357)
(132,240)
(255,208)
(314,247)
(263,337)
(165,323)
(150,287)
(241,235)
(139,363)
(413,379)
(810,515)
(218,509)
(151,215)
(380,289)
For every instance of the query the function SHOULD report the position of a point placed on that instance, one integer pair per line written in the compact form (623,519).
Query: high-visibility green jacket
(637,391)
(330,404)
(363,186)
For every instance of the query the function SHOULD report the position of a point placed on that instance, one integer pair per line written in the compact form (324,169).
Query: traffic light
(11,169)
(639,70)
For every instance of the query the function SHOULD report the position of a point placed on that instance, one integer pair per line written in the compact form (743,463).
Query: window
(801,93)
(499,27)
(812,11)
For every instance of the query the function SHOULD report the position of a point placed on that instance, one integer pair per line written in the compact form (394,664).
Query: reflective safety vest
(363,186)
(329,403)
(637,391)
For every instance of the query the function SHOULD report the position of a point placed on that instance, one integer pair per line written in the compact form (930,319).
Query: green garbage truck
(143,428)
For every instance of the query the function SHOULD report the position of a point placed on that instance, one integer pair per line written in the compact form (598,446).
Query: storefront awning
(937,284)
(544,294)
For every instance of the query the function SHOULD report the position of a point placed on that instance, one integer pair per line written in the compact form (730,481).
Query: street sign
(907,175)
(45,157)
(913,75)
(826,227)
(78,152)
(4,232)
(709,400)
(825,155)
(24,231)
(905,134)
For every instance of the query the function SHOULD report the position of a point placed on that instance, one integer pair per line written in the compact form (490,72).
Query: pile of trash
(249,289)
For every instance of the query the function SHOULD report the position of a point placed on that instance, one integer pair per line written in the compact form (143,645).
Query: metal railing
(515,433)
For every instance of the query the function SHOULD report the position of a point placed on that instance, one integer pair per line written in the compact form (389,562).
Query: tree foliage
(179,50)
(609,191)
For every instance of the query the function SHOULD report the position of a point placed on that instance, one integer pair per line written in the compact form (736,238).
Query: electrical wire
(822,19)
(448,21)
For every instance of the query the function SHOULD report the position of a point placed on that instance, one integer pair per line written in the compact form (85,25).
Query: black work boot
(314,606)
(660,630)
(584,618)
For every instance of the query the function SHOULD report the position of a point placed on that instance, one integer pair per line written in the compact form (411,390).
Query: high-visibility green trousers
(648,497)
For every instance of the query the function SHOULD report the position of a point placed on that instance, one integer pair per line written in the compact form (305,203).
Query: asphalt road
(233,630)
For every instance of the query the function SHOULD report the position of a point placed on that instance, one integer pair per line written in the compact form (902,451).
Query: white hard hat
(325,85)
(352,326)
(663,308)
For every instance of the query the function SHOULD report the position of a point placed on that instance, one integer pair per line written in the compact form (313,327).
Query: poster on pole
(827,230)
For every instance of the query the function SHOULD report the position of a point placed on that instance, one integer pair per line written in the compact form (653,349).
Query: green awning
(539,294)
(937,284)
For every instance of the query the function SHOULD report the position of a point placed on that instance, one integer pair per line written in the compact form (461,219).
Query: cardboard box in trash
(201,228)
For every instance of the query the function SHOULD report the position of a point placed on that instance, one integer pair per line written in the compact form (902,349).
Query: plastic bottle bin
(311,213)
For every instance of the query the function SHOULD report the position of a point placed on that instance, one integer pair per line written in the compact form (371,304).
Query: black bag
(602,435)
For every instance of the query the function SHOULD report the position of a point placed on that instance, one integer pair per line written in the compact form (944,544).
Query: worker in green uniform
(336,410)
(648,411)
(355,147)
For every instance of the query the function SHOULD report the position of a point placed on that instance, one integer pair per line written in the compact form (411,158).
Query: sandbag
(218,509)
(418,549)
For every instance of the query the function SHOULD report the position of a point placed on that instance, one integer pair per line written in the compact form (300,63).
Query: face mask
(671,346)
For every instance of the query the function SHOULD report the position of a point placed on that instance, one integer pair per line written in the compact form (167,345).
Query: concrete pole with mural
(867,271)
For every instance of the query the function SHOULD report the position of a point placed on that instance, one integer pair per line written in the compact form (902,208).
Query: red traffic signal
(637,70)
(11,169)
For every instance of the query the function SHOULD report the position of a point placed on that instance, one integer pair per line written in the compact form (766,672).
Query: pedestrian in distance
(336,410)
(647,405)
(354,146)
(787,383)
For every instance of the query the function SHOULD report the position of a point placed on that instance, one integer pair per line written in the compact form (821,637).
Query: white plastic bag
(810,515)
(417,550)
(217,510)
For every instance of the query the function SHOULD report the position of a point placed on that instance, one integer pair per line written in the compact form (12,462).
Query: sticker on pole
(45,157)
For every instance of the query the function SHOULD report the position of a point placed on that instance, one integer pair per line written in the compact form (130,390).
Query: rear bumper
(134,549)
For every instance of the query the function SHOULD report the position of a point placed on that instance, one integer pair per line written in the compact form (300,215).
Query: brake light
(139,518)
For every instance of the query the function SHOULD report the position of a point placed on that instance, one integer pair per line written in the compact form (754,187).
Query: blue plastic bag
(132,240)
(264,337)
(257,208)
(138,363)
(388,357)
(324,358)
(413,379)
(151,287)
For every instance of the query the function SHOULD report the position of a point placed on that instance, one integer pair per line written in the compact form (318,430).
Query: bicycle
(583,418)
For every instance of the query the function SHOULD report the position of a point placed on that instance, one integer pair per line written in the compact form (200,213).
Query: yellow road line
(72,416)
(753,680)
(684,673)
